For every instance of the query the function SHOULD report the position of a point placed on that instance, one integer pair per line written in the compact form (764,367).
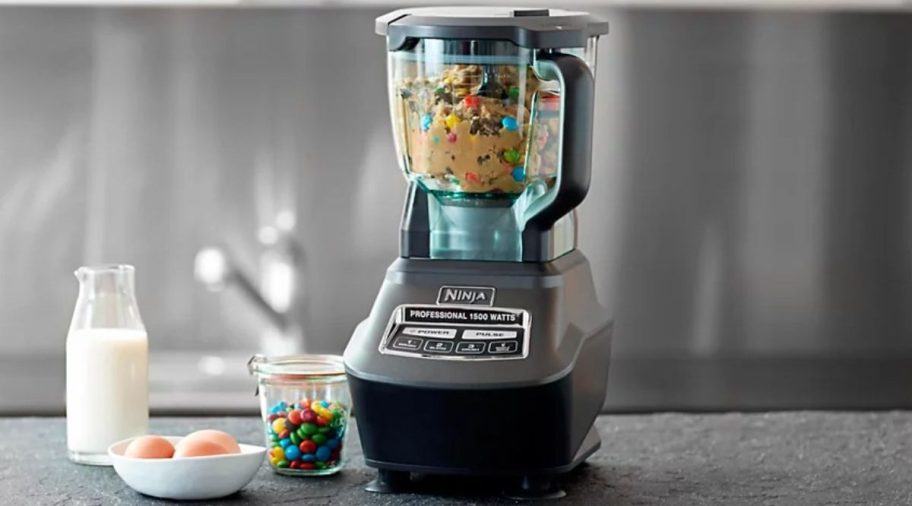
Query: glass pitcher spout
(106,298)
(111,278)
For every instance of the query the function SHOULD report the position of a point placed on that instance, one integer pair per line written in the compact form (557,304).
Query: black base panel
(512,431)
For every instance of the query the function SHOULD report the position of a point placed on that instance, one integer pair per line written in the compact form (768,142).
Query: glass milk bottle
(107,362)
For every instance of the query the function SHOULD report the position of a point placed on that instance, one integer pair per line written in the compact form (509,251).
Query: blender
(486,351)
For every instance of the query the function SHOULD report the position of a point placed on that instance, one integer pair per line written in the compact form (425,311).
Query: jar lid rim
(303,366)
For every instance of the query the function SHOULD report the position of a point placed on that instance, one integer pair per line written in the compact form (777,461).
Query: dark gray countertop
(779,458)
(179,386)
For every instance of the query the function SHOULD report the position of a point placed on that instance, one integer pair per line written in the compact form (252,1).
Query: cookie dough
(467,130)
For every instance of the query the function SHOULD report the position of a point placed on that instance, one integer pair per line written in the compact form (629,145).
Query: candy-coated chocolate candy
(451,121)
(519,173)
(514,91)
(509,123)
(426,121)
(307,446)
(308,434)
(292,453)
(511,155)
(471,101)
(451,137)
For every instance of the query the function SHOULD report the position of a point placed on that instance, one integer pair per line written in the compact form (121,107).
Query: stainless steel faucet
(277,295)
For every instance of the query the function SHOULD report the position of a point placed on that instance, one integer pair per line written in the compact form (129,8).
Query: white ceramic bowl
(187,478)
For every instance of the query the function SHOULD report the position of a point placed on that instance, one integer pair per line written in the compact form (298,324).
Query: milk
(107,389)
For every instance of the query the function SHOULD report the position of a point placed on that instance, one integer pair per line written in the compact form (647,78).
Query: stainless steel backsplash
(750,190)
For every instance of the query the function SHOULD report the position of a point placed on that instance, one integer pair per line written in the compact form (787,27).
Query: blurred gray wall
(750,189)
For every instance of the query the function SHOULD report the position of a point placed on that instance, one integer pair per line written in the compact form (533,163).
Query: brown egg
(216,436)
(149,447)
(197,448)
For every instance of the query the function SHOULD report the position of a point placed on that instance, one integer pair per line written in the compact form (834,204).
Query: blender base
(521,423)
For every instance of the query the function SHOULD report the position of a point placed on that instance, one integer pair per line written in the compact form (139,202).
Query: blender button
(430,332)
(467,348)
(489,334)
(407,343)
(501,347)
(438,346)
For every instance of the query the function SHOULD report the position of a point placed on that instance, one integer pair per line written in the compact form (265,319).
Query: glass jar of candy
(305,406)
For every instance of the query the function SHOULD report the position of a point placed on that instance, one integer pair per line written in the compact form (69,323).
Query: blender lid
(533,28)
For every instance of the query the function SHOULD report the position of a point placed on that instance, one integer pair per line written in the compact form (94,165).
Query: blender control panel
(457,332)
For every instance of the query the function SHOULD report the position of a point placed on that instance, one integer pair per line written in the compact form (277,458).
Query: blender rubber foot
(534,488)
(388,482)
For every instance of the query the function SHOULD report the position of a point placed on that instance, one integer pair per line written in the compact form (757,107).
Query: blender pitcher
(499,135)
